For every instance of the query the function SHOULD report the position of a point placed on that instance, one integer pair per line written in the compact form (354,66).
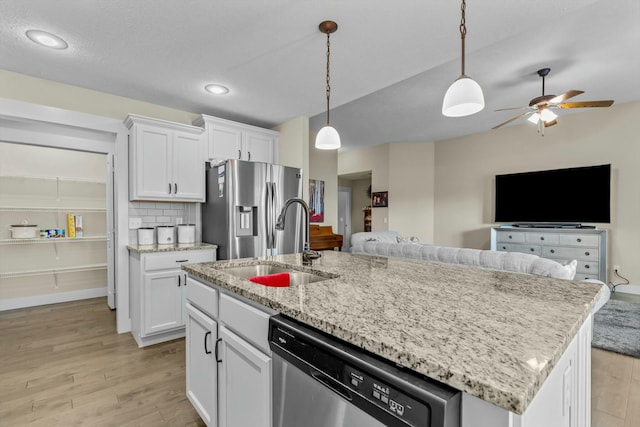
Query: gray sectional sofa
(391,244)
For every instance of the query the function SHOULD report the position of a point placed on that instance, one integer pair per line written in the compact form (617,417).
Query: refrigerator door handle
(274,214)
(268,214)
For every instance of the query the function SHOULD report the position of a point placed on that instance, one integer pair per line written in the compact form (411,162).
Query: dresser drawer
(579,240)
(561,252)
(171,260)
(509,237)
(525,249)
(587,267)
(585,276)
(542,238)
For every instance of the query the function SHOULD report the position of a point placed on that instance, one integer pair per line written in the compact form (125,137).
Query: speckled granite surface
(146,249)
(492,334)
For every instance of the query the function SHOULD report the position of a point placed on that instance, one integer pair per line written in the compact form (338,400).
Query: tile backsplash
(161,213)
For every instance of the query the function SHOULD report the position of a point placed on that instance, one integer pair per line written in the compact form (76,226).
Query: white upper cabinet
(232,140)
(165,160)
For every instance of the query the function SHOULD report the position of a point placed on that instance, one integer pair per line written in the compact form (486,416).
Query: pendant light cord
(328,75)
(463,30)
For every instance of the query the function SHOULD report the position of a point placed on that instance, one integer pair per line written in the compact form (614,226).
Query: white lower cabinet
(157,287)
(245,383)
(228,370)
(202,369)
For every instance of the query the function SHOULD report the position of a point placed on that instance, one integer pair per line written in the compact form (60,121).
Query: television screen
(574,195)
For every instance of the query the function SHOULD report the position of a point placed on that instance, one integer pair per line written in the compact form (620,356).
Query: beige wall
(411,189)
(464,185)
(293,148)
(376,160)
(323,166)
(74,98)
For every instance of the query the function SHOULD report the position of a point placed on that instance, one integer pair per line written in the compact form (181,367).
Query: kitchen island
(494,335)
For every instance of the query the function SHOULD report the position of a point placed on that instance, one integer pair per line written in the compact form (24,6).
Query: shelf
(49,209)
(57,178)
(52,240)
(53,271)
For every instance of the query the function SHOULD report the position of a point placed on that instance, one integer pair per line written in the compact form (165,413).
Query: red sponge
(278,280)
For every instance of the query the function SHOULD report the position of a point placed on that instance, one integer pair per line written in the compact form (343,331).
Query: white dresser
(587,246)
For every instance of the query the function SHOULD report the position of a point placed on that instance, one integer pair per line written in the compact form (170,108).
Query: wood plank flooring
(65,365)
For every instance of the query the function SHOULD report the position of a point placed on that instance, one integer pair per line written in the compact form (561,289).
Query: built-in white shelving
(53,240)
(53,271)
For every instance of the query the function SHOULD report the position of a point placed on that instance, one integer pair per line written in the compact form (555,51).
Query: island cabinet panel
(245,383)
(165,160)
(232,140)
(587,246)
(158,286)
(564,400)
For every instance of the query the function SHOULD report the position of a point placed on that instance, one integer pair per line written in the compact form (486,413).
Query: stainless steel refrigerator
(243,202)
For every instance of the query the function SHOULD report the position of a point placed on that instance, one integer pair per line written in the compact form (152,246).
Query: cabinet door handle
(179,281)
(249,156)
(239,154)
(182,260)
(206,350)
(216,349)
(185,280)
(169,188)
(175,188)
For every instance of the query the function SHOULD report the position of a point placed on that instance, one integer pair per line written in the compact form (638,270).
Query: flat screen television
(555,197)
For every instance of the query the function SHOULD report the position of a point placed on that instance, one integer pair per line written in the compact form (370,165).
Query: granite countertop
(493,334)
(147,249)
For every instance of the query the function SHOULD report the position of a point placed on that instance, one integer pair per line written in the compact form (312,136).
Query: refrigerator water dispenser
(246,220)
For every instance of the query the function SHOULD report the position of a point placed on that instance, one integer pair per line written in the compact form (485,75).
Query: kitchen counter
(493,334)
(147,249)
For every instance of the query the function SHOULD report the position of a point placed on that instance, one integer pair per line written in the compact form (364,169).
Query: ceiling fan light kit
(328,138)
(464,97)
(540,108)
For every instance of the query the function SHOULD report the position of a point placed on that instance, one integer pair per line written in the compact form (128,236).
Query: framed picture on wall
(380,199)
(316,200)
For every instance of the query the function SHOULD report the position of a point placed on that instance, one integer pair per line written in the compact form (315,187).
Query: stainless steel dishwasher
(319,381)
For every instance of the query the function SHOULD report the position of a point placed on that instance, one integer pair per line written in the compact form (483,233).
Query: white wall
(465,169)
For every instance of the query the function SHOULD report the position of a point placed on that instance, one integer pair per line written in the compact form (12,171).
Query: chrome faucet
(307,254)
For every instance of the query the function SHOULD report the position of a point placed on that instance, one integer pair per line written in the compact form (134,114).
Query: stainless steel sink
(296,277)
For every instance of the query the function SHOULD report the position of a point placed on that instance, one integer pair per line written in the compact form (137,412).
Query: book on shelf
(71,226)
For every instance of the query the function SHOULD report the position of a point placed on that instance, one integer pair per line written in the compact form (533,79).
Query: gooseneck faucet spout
(307,254)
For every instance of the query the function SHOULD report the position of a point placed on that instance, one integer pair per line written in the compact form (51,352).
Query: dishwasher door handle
(329,382)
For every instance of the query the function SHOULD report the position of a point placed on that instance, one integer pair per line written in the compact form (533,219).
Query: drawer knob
(587,253)
(587,266)
(532,250)
(541,237)
(511,237)
(504,247)
(579,240)
(553,251)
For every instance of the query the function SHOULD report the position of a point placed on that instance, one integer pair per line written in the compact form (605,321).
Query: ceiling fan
(540,109)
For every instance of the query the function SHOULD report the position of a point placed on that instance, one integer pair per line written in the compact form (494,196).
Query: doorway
(356,187)
(63,198)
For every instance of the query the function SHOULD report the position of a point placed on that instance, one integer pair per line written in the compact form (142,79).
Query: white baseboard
(15,303)
(628,289)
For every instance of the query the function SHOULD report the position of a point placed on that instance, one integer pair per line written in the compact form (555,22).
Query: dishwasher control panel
(398,403)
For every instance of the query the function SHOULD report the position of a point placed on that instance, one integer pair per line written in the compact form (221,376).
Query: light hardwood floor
(64,365)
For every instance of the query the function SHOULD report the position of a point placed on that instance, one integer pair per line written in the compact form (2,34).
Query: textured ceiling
(391,61)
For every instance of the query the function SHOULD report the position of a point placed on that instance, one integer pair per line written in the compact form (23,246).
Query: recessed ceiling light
(47,39)
(216,89)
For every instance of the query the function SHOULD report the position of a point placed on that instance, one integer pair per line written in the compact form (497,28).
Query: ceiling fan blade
(585,104)
(519,116)
(565,96)
(512,108)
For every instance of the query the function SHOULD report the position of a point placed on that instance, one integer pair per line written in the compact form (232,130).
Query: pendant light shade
(464,97)
(328,138)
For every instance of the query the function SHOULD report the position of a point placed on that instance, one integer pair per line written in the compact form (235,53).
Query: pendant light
(464,97)
(328,138)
